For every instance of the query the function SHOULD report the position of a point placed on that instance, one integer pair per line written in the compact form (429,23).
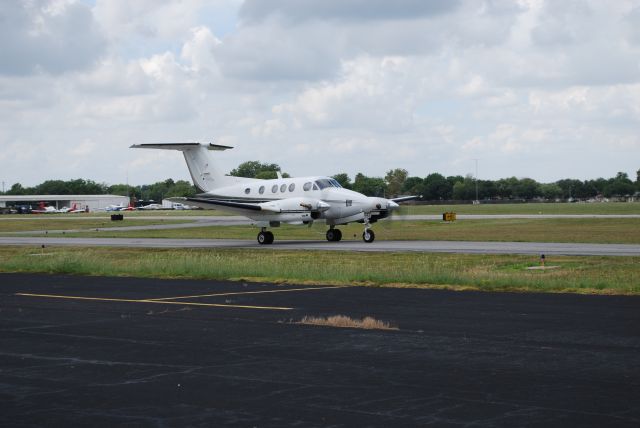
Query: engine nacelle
(295,206)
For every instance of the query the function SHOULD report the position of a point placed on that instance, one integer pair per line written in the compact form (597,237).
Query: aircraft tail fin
(204,172)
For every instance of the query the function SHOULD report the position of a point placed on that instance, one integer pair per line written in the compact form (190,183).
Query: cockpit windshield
(323,183)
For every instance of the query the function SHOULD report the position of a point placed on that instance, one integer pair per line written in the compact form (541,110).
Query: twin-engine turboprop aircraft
(300,200)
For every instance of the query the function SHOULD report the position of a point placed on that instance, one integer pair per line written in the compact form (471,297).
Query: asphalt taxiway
(78,351)
(350,245)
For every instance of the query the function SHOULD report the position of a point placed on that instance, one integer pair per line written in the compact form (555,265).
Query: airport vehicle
(300,200)
(179,206)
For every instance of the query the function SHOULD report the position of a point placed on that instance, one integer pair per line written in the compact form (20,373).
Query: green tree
(550,191)
(394,179)
(17,189)
(413,186)
(343,179)
(256,169)
(620,185)
(181,188)
(437,187)
(527,188)
(465,190)
(53,187)
(370,186)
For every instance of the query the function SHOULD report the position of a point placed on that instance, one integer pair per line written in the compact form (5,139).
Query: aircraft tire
(334,235)
(368,236)
(265,238)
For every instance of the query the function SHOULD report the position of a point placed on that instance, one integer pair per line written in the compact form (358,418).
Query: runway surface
(143,352)
(398,246)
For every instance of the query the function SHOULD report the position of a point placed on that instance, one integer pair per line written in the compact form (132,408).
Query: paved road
(397,246)
(237,357)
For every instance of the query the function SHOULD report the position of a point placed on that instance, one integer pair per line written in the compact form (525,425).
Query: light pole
(476,201)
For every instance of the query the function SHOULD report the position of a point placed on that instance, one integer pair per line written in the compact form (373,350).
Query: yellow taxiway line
(165,302)
(247,292)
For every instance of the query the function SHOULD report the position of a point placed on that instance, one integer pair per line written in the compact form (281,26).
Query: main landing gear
(265,237)
(334,235)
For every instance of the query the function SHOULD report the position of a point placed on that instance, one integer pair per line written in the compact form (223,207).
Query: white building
(93,202)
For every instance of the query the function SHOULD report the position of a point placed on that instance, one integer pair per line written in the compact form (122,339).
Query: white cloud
(41,36)
(540,88)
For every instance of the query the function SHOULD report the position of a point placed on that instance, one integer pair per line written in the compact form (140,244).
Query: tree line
(155,192)
(397,182)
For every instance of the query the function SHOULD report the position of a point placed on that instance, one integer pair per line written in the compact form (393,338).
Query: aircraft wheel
(368,236)
(265,238)
(334,235)
(330,235)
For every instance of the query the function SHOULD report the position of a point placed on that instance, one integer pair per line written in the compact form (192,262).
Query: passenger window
(307,186)
(247,191)
(274,189)
(292,187)
(261,190)
(283,188)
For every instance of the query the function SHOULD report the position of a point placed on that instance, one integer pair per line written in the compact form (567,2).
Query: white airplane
(300,200)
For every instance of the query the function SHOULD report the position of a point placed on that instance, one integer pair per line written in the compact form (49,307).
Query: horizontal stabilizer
(181,146)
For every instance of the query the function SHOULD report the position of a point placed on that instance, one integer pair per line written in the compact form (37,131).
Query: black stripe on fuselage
(226,204)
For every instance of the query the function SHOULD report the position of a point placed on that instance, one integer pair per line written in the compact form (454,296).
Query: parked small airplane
(152,207)
(120,207)
(114,207)
(300,200)
(44,209)
(74,209)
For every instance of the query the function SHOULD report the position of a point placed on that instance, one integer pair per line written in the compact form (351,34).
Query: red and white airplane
(300,200)
(44,209)
(73,209)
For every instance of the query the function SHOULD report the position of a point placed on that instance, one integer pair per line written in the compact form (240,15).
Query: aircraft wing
(239,207)
(280,206)
(406,198)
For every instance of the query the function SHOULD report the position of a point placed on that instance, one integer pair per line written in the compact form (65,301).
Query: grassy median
(590,230)
(600,275)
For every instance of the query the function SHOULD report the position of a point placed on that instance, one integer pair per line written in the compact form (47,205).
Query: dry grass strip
(343,321)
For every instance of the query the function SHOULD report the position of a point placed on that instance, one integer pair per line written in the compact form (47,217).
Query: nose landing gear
(368,236)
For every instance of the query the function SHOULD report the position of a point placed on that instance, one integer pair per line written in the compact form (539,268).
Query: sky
(528,88)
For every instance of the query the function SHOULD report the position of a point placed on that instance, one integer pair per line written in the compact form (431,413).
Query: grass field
(532,208)
(56,223)
(604,275)
(589,230)
(529,208)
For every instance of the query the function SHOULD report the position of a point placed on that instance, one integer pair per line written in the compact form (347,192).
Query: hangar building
(93,202)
